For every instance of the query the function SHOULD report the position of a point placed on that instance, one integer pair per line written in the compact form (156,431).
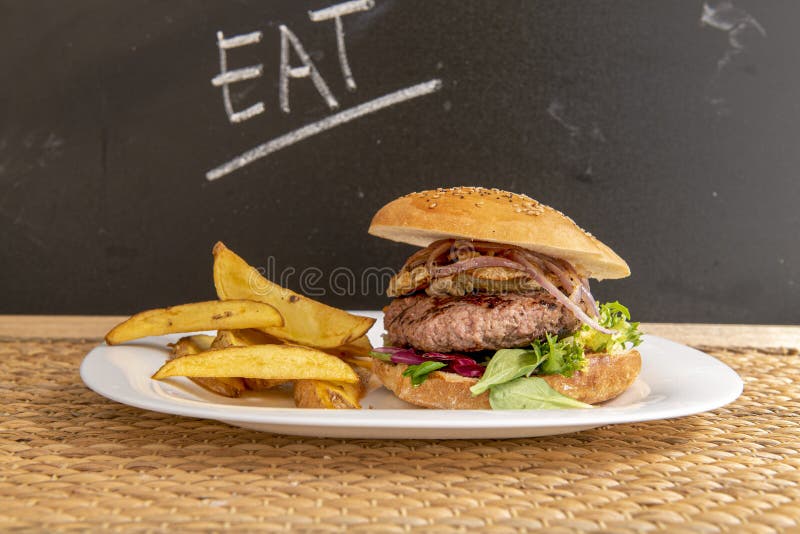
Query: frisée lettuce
(615,316)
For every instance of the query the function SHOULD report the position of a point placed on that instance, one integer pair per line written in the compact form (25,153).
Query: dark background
(676,142)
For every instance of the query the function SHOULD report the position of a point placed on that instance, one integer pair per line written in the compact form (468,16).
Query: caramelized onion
(421,256)
(475,263)
(436,251)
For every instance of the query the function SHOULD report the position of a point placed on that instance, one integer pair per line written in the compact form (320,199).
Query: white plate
(675,381)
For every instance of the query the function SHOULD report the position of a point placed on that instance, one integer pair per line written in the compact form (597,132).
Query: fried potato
(190,345)
(327,394)
(244,338)
(284,362)
(227,387)
(262,384)
(359,347)
(211,315)
(306,321)
(322,394)
(362,344)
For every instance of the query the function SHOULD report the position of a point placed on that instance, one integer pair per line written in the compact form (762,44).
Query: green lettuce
(614,316)
(506,365)
(561,357)
(419,373)
(530,394)
(512,372)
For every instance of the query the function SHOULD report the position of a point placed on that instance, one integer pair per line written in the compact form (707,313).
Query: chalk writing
(315,128)
(226,77)
(306,69)
(336,12)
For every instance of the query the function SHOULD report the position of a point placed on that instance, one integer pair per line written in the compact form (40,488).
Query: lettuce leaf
(549,357)
(561,357)
(530,394)
(615,316)
(419,373)
(506,365)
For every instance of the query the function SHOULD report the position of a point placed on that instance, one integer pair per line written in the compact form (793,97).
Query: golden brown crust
(317,394)
(605,377)
(498,216)
(321,394)
(446,391)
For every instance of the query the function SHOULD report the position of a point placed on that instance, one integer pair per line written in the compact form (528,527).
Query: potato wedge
(361,345)
(306,321)
(331,395)
(356,354)
(323,394)
(227,387)
(191,345)
(211,315)
(285,362)
(244,338)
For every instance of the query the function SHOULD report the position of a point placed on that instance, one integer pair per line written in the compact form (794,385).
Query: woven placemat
(72,460)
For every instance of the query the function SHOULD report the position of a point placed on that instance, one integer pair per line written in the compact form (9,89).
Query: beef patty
(474,322)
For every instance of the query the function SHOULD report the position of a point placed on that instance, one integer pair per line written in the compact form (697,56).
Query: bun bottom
(605,377)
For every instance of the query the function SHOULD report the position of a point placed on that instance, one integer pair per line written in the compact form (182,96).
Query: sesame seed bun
(498,216)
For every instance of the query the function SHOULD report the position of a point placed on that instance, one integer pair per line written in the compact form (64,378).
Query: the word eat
(306,68)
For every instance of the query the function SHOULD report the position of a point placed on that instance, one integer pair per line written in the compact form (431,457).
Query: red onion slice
(456,363)
(421,256)
(488,245)
(542,280)
(401,355)
(437,251)
(585,293)
(566,280)
(589,299)
(408,358)
(467,367)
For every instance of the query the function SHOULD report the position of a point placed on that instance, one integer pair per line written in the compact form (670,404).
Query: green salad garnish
(511,378)
(419,372)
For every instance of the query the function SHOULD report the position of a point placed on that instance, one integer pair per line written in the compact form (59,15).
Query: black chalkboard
(669,129)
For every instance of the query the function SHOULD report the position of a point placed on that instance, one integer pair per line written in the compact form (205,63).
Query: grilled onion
(480,273)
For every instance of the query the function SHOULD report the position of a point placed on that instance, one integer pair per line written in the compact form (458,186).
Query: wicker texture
(72,460)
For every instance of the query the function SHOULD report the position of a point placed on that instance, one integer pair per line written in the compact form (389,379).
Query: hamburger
(495,309)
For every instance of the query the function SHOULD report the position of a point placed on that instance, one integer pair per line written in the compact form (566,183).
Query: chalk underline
(322,125)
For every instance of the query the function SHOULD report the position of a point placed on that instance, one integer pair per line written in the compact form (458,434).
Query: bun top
(498,216)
